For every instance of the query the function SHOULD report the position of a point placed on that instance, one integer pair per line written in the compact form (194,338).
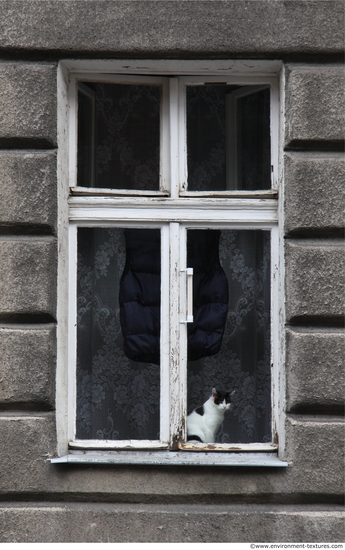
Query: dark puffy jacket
(140,295)
(210,294)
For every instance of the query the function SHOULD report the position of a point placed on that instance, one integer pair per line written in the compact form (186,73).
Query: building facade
(58,483)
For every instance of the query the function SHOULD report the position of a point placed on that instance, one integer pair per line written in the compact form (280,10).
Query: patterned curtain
(206,138)
(118,398)
(243,362)
(127,136)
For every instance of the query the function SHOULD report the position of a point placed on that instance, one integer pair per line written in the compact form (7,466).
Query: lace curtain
(118,398)
(126,121)
(243,362)
(207,138)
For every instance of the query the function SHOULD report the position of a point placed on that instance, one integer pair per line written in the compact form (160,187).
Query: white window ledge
(164,458)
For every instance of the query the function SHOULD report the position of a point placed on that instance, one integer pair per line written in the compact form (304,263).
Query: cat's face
(222,399)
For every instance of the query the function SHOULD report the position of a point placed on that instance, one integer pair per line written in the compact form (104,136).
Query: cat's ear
(214,393)
(232,394)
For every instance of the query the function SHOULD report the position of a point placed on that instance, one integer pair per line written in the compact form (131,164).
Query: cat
(203,423)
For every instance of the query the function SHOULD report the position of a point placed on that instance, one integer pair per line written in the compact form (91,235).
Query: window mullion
(164,336)
(176,397)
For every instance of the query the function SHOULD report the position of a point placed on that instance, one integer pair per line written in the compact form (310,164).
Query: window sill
(165,458)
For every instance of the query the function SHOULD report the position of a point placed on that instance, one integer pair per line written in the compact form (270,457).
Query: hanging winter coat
(140,295)
(210,294)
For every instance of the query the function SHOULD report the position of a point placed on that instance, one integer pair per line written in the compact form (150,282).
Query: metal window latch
(189,273)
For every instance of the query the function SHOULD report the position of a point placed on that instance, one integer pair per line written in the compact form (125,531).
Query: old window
(173,261)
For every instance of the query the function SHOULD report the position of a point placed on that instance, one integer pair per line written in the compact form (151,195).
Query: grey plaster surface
(27,100)
(314,192)
(315,450)
(315,368)
(315,470)
(28,272)
(27,366)
(130,28)
(28,193)
(314,103)
(167,504)
(169,523)
(314,279)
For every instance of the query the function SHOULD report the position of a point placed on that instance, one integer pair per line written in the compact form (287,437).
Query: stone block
(28,101)
(315,452)
(128,28)
(314,104)
(28,272)
(314,280)
(314,192)
(315,376)
(27,367)
(121,523)
(28,442)
(28,193)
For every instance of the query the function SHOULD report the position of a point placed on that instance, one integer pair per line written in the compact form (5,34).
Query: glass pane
(126,136)
(206,133)
(253,141)
(229,340)
(118,333)
(86,129)
(228,138)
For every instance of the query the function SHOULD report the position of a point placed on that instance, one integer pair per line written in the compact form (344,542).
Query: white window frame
(182,210)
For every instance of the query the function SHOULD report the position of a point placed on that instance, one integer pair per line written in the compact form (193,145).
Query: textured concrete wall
(28,191)
(172,523)
(314,254)
(28,104)
(27,366)
(315,475)
(45,502)
(315,106)
(175,28)
(315,369)
(314,193)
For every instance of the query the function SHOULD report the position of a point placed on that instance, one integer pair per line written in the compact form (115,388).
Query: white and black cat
(203,422)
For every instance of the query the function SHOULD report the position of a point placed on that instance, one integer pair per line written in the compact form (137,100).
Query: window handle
(189,273)
(189,295)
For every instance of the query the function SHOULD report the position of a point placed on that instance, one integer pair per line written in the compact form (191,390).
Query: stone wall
(42,502)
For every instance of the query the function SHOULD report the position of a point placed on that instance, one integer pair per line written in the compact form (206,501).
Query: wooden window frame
(173,209)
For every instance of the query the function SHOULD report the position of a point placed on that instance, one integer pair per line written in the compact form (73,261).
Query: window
(173,255)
